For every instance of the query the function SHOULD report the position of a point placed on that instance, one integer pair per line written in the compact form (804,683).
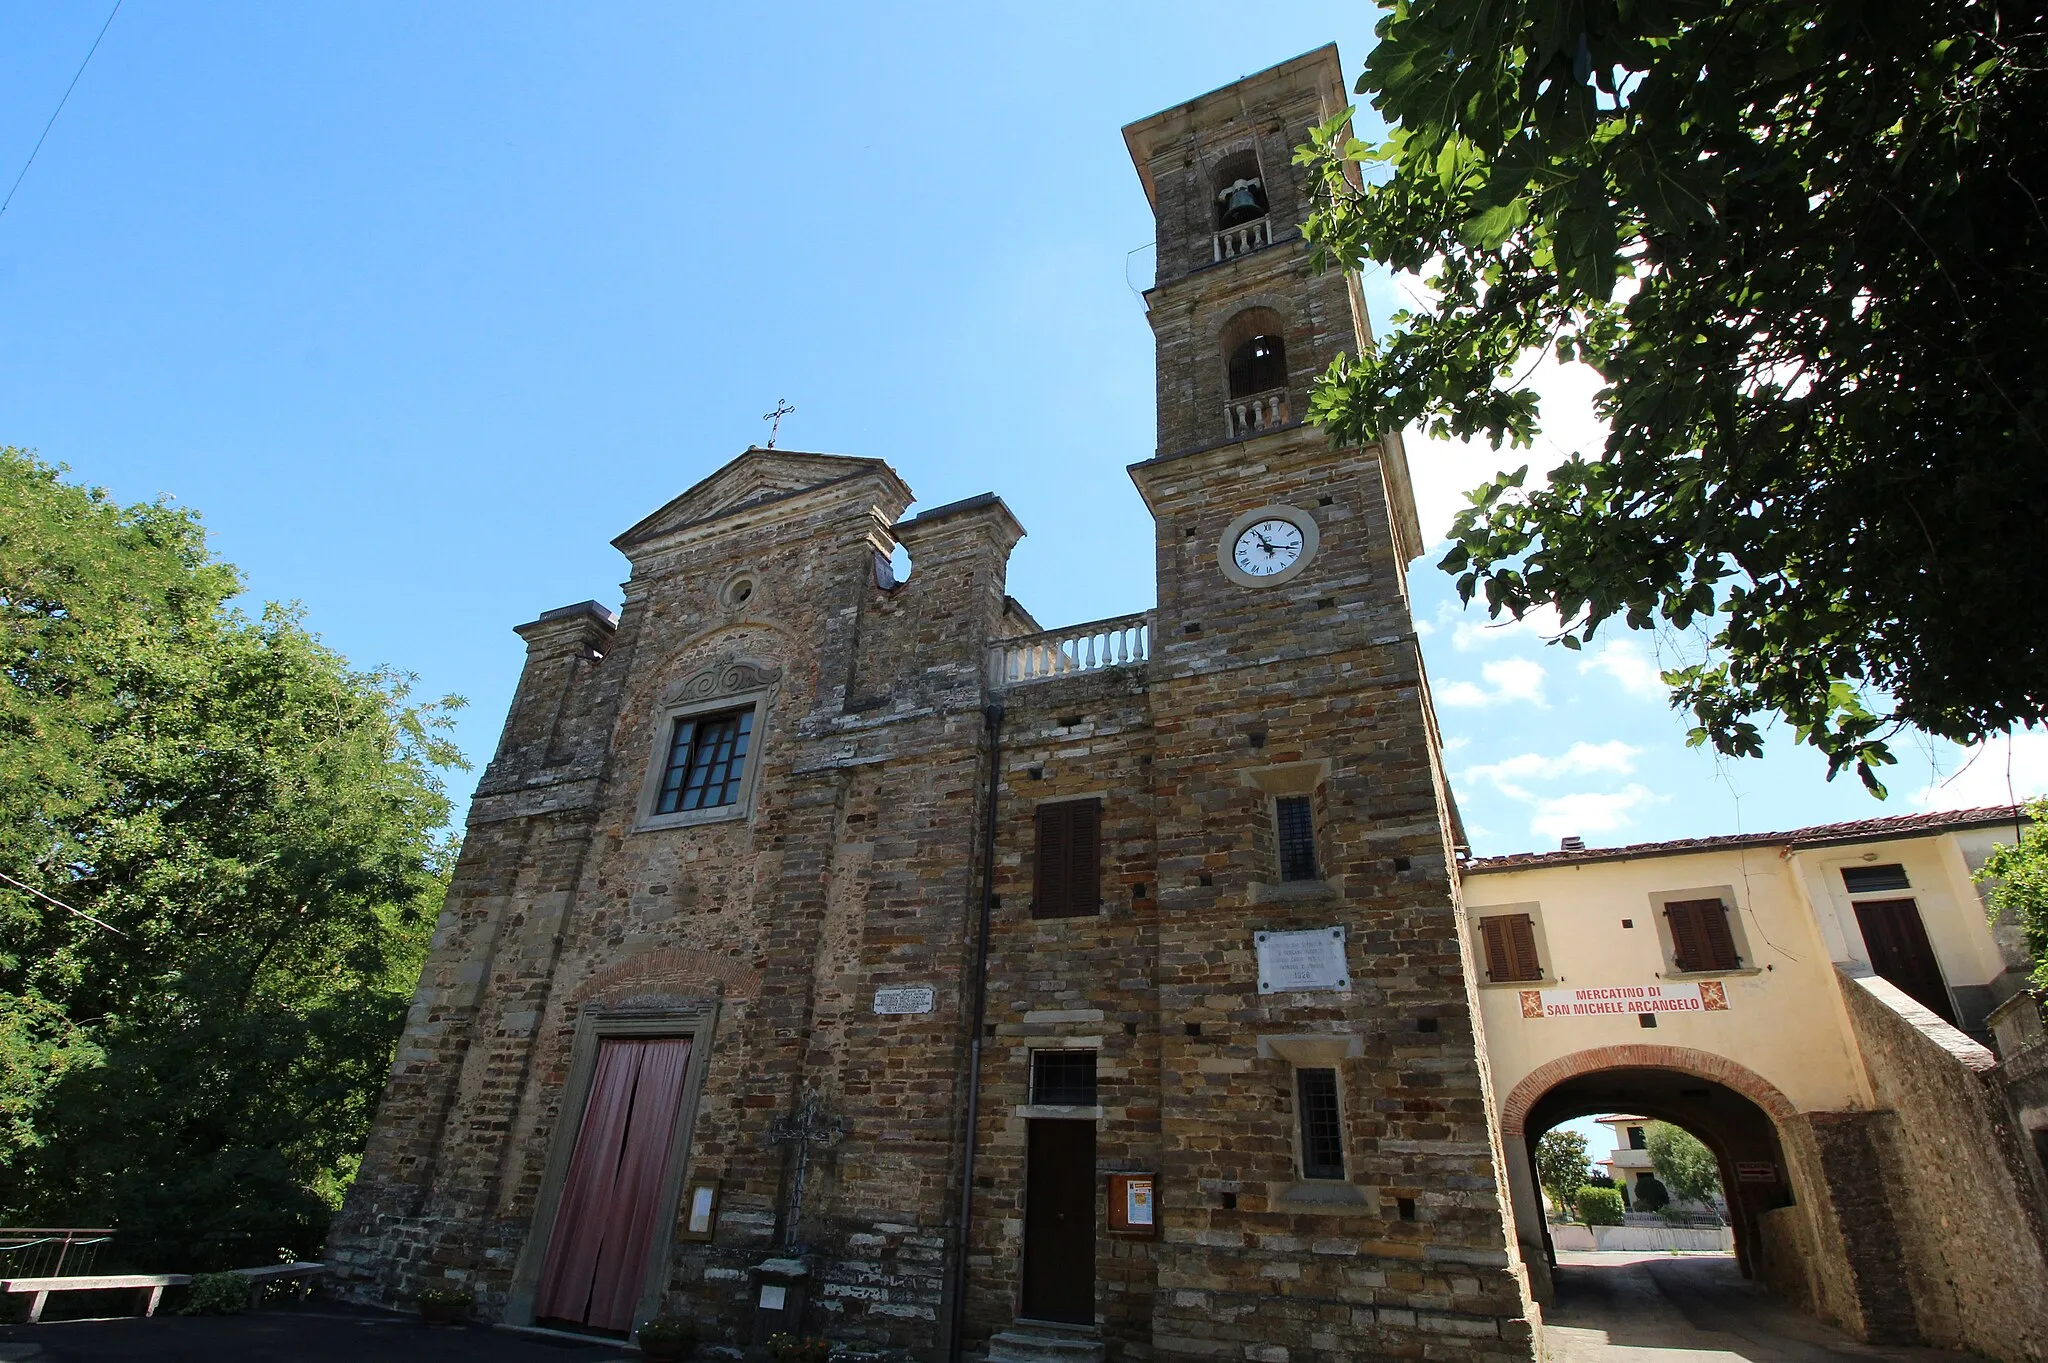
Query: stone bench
(41,1288)
(300,1275)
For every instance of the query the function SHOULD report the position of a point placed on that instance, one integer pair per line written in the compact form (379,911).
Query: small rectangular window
(707,754)
(1510,942)
(1638,1139)
(1297,823)
(1700,938)
(1063,1078)
(1870,879)
(1069,863)
(1322,1125)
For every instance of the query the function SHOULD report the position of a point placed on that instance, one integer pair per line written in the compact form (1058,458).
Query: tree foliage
(1685,1166)
(2016,876)
(1804,245)
(244,834)
(1561,1165)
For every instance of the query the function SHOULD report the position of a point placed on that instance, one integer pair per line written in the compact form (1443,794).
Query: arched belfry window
(1256,364)
(1240,190)
(1255,368)
(1254,352)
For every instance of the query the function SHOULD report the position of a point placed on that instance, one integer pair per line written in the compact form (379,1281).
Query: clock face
(1267,547)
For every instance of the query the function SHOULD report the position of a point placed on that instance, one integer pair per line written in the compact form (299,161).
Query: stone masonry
(892,730)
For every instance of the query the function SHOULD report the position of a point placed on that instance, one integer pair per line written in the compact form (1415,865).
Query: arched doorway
(1732,1110)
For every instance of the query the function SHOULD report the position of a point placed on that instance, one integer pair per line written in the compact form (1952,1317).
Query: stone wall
(1968,1202)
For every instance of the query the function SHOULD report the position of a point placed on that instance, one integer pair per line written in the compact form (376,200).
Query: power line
(30,889)
(60,106)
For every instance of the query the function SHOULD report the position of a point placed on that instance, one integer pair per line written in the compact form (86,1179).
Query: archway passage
(1735,1127)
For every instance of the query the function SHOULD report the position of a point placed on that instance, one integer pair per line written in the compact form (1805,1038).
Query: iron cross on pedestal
(782,409)
(804,1128)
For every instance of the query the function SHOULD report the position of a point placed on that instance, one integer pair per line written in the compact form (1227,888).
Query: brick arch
(1704,1064)
(670,970)
(1219,319)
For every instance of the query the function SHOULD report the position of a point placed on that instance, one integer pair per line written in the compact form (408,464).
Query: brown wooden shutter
(1068,879)
(1510,940)
(1522,938)
(1700,938)
(1049,894)
(1713,915)
(1499,955)
(1688,943)
(1084,857)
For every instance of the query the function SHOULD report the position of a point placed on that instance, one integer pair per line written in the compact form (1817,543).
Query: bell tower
(1302,811)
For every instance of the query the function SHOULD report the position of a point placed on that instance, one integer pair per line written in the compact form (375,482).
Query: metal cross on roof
(782,409)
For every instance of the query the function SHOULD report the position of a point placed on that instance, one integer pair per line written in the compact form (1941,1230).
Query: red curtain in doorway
(605,1225)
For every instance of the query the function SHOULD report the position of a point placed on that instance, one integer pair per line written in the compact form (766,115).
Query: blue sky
(420,305)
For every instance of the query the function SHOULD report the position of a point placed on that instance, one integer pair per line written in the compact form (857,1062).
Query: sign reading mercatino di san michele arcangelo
(1705,996)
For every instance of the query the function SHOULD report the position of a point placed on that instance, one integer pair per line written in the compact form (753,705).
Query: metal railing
(1116,642)
(1259,412)
(42,1252)
(1243,239)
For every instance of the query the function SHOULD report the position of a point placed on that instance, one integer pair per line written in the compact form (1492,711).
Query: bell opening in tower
(1240,191)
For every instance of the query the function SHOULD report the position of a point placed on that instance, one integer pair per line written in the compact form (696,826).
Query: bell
(1241,203)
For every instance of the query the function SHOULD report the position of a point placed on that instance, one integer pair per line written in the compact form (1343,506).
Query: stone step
(1034,1343)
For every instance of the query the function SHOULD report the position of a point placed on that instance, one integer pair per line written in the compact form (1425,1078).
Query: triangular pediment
(756,478)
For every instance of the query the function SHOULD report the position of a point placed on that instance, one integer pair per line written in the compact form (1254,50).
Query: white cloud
(1507,680)
(1625,661)
(1980,775)
(1475,630)
(1581,759)
(1581,812)
(1590,812)
(1445,470)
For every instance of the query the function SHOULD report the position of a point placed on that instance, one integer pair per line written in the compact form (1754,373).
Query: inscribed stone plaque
(1290,961)
(908,998)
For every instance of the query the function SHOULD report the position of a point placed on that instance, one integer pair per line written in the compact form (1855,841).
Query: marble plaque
(907,998)
(1291,961)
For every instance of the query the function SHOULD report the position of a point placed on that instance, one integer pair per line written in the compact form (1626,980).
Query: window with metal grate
(1297,823)
(1063,1078)
(1322,1126)
(707,755)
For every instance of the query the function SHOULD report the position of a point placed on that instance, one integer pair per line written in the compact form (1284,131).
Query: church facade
(841,955)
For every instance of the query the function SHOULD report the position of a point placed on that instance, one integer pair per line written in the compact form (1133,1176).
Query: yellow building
(1812,1005)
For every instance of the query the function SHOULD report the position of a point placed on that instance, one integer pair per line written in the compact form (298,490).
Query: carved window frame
(695,1018)
(714,690)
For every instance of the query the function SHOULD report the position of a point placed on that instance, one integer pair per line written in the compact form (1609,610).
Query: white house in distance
(1630,1158)
(1813,1006)
(1629,1161)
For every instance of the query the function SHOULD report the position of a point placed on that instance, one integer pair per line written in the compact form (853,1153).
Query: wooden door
(1059,1222)
(1899,951)
(610,1207)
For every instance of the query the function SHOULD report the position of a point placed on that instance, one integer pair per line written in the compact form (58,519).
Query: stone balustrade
(1243,239)
(1116,642)
(1249,415)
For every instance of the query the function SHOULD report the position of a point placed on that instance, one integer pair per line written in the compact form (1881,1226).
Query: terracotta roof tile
(1859,830)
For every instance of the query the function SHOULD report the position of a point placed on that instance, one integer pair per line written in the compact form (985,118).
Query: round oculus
(1264,548)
